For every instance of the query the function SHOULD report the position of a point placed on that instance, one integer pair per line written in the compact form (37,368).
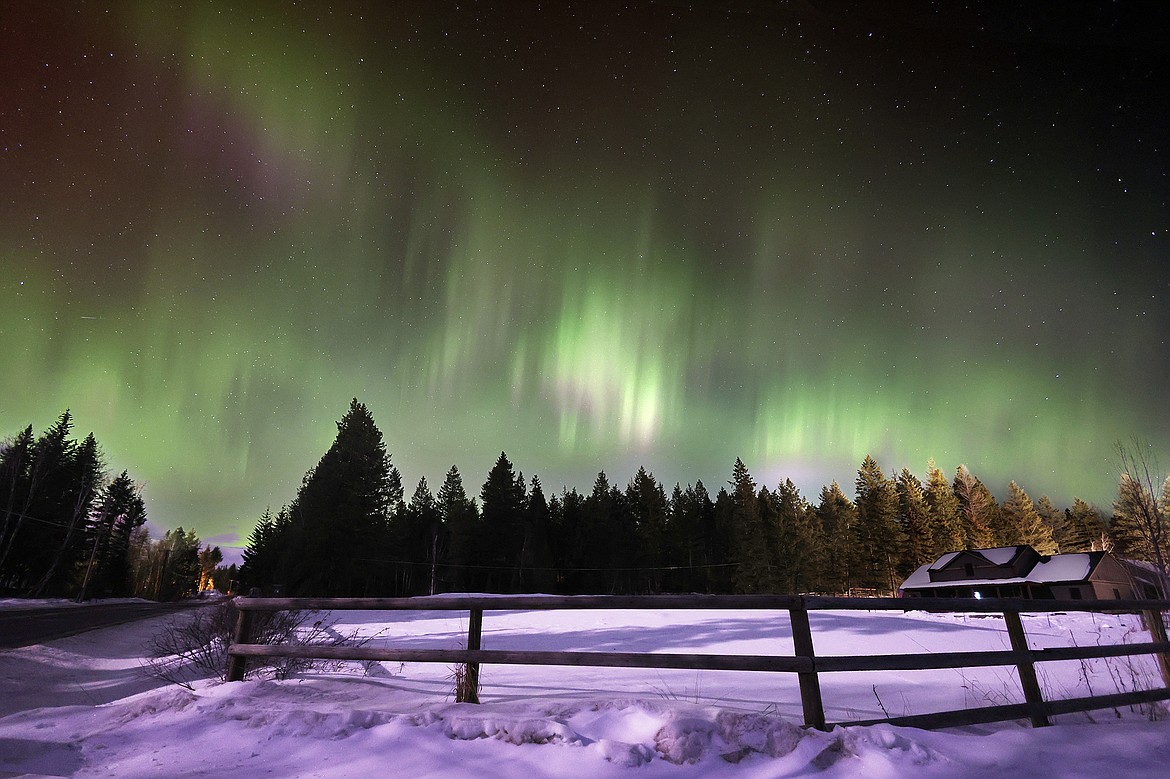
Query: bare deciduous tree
(1139,526)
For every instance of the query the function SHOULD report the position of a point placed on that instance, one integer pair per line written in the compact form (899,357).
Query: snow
(943,561)
(1000,555)
(27,604)
(1061,568)
(1072,567)
(82,706)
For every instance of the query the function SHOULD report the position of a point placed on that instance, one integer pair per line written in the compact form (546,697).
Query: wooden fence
(805,663)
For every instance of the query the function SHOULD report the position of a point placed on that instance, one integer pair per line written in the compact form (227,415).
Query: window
(1074,593)
(1116,594)
(968,570)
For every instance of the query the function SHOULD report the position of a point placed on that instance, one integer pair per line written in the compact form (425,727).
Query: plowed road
(22,627)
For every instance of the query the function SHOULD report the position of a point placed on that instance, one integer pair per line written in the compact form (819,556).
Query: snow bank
(82,706)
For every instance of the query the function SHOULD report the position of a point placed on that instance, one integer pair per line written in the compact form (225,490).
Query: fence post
(810,685)
(237,664)
(474,631)
(1153,619)
(1032,695)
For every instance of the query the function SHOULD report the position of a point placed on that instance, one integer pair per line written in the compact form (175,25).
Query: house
(1022,572)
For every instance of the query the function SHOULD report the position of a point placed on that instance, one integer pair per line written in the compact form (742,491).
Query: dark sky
(591,235)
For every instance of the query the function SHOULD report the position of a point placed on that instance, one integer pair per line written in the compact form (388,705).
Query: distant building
(1022,572)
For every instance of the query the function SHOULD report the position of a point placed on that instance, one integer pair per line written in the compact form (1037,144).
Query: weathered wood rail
(805,663)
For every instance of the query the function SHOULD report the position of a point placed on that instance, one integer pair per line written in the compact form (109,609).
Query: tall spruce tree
(536,551)
(1084,528)
(877,537)
(914,521)
(837,516)
(502,526)
(942,507)
(342,512)
(119,511)
(421,550)
(1053,520)
(461,519)
(795,530)
(977,509)
(1022,522)
(650,513)
(749,543)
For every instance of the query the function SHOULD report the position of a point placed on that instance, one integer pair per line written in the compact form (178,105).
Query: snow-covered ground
(82,706)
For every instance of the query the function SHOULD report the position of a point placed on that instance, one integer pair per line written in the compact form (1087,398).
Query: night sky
(594,237)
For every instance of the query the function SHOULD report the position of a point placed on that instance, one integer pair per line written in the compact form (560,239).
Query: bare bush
(190,647)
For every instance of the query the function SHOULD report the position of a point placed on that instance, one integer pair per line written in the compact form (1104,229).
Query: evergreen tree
(942,508)
(878,538)
(1022,522)
(502,526)
(594,538)
(119,511)
(795,529)
(341,513)
(259,566)
(977,509)
(536,552)
(421,548)
(1084,528)
(460,517)
(914,521)
(177,558)
(81,477)
(650,513)
(837,516)
(748,538)
(209,559)
(572,544)
(1052,519)
(692,542)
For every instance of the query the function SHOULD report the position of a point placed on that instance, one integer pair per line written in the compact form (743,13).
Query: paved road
(23,627)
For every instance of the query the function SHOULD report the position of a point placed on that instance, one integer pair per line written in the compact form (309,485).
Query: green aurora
(594,238)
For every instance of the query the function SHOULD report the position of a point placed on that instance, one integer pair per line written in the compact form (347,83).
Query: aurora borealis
(594,237)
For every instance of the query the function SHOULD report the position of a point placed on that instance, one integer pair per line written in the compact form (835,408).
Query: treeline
(350,530)
(67,528)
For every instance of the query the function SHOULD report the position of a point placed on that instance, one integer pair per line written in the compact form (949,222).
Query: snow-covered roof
(943,561)
(1000,555)
(1072,567)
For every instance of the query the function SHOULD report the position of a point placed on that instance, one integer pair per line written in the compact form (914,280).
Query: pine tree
(341,513)
(502,526)
(209,559)
(1084,528)
(259,567)
(42,495)
(749,543)
(82,476)
(1052,519)
(537,555)
(460,517)
(650,512)
(420,548)
(914,521)
(877,536)
(1026,527)
(118,512)
(942,507)
(977,509)
(837,516)
(692,542)
(795,530)
(178,564)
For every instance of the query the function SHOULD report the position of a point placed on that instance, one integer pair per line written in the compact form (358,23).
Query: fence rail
(804,663)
